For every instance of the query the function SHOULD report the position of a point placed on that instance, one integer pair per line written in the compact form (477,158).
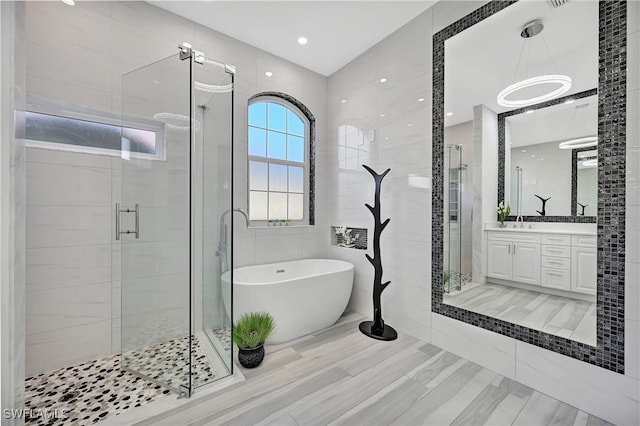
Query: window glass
(278,163)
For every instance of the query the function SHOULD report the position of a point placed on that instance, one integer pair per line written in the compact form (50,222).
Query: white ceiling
(338,31)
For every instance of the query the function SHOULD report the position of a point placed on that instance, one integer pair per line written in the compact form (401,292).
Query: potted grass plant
(249,334)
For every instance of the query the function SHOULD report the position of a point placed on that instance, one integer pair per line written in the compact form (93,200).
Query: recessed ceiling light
(386,138)
(383,80)
(524,150)
(69,2)
(383,115)
(268,73)
(421,100)
(569,101)
(302,40)
(343,101)
(409,125)
(533,155)
(449,114)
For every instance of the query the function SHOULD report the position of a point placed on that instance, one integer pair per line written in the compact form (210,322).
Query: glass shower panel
(155,230)
(453,218)
(213,97)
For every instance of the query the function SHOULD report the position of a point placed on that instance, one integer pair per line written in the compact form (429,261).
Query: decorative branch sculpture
(544,203)
(377,328)
(583,207)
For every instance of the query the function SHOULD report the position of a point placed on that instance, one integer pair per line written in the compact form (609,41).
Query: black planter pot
(251,358)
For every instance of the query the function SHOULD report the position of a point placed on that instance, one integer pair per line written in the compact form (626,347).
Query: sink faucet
(222,243)
(520,219)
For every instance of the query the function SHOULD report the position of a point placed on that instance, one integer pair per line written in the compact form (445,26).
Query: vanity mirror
(538,146)
(555,285)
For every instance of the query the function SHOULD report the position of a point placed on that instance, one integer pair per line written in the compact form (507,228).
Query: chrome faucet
(222,243)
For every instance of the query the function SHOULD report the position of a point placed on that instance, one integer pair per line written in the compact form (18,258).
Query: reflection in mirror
(585,188)
(541,276)
(541,141)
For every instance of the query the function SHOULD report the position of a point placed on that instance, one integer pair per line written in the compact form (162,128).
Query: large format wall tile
(58,226)
(598,391)
(483,347)
(67,346)
(55,267)
(49,310)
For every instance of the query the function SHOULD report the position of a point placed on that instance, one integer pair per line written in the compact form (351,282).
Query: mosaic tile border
(609,352)
(312,145)
(501,158)
(574,180)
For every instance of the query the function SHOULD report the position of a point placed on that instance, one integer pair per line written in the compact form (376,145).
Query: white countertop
(526,229)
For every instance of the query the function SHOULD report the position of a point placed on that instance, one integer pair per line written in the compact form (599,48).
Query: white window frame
(42,106)
(305,164)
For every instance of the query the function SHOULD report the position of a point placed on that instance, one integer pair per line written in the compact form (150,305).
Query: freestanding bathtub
(303,296)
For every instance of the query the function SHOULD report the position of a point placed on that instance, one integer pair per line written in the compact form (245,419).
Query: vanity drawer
(557,251)
(556,278)
(557,239)
(583,241)
(514,236)
(556,262)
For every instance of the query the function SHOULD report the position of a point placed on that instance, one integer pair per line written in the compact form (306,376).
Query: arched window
(280,167)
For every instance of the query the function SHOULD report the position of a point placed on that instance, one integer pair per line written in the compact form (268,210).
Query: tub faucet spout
(222,243)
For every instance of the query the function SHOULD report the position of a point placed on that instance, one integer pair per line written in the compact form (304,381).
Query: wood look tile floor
(557,315)
(341,377)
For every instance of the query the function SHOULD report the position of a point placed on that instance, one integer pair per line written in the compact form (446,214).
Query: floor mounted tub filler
(303,296)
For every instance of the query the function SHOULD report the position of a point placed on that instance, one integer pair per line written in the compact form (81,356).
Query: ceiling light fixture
(383,115)
(268,73)
(579,143)
(69,2)
(421,100)
(383,80)
(175,121)
(449,114)
(343,101)
(531,30)
(302,40)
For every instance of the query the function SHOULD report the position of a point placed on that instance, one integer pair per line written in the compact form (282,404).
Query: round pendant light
(563,80)
(530,30)
(579,143)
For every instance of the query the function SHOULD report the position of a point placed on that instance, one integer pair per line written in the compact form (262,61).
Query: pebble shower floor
(87,393)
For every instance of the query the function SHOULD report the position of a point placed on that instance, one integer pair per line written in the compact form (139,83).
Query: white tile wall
(77,56)
(402,143)
(593,389)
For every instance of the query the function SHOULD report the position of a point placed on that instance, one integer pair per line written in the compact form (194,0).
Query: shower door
(153,224)
(174,194)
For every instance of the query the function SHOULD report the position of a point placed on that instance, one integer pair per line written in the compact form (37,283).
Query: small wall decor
(377,329)
(348,237)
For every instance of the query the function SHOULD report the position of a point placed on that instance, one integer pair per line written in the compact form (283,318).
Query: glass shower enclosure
(175,330)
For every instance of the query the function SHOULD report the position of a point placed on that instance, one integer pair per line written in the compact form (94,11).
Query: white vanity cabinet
(558,261)
(583,264)
(514,257)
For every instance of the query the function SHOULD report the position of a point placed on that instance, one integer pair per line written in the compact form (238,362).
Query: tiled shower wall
(76,55)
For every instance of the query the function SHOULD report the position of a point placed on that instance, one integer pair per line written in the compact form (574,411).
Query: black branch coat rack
(377,329)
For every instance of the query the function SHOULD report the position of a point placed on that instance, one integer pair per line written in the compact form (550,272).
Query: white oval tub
(303,296)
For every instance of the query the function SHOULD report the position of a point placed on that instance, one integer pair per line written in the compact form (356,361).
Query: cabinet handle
(553,263)
(514,248)
(555,275)
(554,251)
(509,249)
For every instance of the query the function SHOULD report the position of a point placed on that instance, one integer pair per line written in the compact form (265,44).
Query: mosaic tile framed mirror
(557,284)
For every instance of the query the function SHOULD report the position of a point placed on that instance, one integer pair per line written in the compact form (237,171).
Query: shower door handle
(136,231)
